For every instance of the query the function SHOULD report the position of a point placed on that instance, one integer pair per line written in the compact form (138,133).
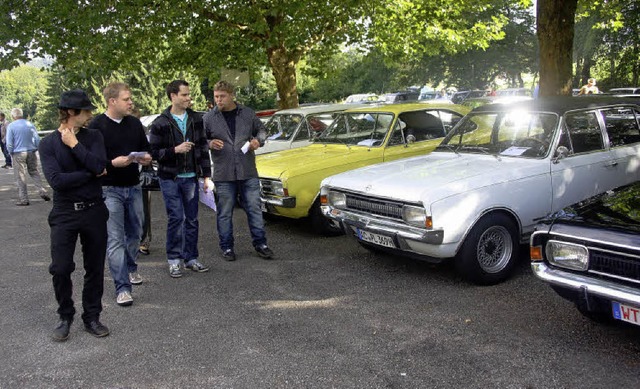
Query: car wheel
(321,224)
(490,251)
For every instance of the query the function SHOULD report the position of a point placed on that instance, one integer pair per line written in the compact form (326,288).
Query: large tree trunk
(283,66)
(555,21)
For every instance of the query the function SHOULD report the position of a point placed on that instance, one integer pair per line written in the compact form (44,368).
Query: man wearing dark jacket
(234,132)
(179,145)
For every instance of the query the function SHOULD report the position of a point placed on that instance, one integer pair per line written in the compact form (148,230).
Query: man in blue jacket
(22,142)
(179,145)
(234,132)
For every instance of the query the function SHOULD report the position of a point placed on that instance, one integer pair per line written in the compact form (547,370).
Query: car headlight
(337,199)
(416,216)
(568,255)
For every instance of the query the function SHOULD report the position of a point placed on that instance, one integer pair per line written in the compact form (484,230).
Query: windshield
(515,134)
(283,127)
(362,129)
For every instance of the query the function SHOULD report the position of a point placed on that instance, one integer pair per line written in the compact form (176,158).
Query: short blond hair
(224,86)
(112,91)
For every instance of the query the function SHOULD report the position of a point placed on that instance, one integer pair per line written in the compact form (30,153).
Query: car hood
(617,209)
(436,176)
(302,160)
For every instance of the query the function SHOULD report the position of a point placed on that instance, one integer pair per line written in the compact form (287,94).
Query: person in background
(3,131)
(145,239)
(123,135)
(73,159)
(590,88)
(179,145)
(234,132)
(22,143)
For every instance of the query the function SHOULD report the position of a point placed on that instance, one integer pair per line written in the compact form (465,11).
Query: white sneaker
(124,298)
(135,278)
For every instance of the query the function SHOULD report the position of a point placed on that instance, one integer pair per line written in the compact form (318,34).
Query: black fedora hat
(75,99)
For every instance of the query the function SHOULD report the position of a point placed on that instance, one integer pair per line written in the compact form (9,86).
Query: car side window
(622,125)
(397,135)
(584,132)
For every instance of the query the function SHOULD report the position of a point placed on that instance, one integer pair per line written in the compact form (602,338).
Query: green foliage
(24,87)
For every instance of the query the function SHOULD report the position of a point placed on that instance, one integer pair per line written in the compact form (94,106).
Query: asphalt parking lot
(325,313)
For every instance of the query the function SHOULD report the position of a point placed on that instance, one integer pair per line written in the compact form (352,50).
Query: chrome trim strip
(577,282)
(284,202)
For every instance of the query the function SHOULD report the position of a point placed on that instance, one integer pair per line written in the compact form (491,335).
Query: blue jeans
(181,197)
(249,191)
(124,228)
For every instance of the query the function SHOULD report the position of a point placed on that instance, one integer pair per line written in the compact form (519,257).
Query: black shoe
(45,197)
(96,329)
(5,166)
(264,251)
(22,203)
(61,332)
(229,255)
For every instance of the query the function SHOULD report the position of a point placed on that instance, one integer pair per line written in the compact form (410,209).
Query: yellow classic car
(290,179)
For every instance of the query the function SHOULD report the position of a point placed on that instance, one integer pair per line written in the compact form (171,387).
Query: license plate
(381,240)
(626,313)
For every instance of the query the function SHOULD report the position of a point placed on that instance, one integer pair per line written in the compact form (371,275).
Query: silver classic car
(500,170)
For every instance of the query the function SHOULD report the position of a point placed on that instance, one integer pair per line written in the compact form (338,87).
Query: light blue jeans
(124,228)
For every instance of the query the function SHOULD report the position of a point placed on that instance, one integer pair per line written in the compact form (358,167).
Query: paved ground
(325,314)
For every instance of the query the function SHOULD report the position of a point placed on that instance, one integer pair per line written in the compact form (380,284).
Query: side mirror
(561,152)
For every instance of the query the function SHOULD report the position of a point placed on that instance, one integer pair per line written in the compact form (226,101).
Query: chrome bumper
(399,230)
(285,202)
(592,286)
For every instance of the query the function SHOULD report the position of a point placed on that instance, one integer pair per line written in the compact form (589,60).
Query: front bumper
(587,285)
(402,233)
(284,202)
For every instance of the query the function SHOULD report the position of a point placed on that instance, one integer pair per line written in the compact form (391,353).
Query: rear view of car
(590,254)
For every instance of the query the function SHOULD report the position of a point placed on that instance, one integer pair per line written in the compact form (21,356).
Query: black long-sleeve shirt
(73,172)
(120,139)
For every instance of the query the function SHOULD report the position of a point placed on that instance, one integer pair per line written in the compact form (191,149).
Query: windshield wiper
(484,150)
(447,146)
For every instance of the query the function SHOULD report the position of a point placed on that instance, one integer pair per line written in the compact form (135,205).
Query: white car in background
(499,171)
(297,127)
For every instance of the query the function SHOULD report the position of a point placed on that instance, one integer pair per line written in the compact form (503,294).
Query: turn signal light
(323,200)
(535,252)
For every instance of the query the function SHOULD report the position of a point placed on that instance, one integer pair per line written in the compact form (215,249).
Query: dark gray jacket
(230,163)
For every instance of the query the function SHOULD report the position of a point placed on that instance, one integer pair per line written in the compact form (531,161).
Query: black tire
(321,224)
(490,251)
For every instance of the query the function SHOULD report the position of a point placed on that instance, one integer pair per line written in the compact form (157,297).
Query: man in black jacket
(73,158)
(179,145)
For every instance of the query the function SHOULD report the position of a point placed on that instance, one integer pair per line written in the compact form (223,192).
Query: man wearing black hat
(73,158)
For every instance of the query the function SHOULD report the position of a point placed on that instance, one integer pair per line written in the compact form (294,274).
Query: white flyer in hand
(245,147)
(137,156)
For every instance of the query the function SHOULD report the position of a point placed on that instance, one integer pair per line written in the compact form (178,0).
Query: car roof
(319,109)
(559,104)
(404,107)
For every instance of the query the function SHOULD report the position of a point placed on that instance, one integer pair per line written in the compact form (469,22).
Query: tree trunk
(555,22)
(283,67)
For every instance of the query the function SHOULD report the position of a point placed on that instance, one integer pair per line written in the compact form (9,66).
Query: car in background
(290,179)
(265,114)
(297,127)
(589,253)
(476,102)
(493,177)
(362,98)
(625,91)
(400,97)
(459,97)
(514,92)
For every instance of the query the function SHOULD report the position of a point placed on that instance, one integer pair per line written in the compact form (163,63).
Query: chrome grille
(614,264)
(375,206)
(266,187)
